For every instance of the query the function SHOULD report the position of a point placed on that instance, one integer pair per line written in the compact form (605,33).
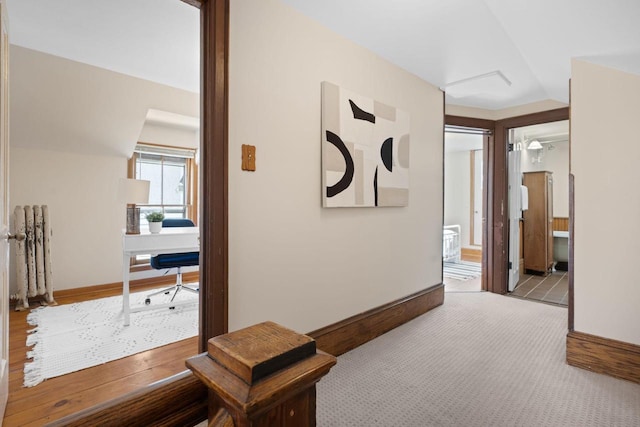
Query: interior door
(515,213)
(477,197)
(4,210)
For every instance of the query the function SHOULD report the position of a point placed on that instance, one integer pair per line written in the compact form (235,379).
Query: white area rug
(72,337)
(462,270)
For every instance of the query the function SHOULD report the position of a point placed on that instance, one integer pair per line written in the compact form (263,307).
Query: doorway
(464,203)
(539,212)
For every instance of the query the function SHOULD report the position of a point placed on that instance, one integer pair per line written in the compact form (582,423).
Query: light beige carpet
(445,369)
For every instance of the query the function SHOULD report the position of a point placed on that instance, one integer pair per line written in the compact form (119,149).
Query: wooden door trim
(469,122)
(214,169)
(472,191)
(4,181)
(500,188)
(570,313)
(549,116)
(499,207)
(495,236)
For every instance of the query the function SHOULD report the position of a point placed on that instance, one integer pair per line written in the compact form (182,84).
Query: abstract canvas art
(365,151)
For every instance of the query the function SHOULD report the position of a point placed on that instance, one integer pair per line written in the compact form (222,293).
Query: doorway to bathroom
(538,163)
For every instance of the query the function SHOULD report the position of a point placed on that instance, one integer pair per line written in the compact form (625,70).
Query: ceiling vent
(493,82)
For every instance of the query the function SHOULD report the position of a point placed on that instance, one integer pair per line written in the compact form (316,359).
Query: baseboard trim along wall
(116,287)
(157,404)
(350,333)
(605,356)
(169,279)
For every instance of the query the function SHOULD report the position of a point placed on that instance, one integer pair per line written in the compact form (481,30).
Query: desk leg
(125,288)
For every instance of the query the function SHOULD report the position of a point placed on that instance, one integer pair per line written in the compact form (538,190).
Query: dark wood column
(214,171)
(499,230)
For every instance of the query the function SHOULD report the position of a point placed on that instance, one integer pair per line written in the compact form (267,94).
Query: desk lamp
(133,192)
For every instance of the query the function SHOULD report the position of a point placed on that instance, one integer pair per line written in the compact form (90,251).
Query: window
(173,177)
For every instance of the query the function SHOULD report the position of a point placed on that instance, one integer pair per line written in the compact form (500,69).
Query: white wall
(605,153)
(63,105)
(556,161)
(457,192)
(169,135)
(290,260)
(81,192)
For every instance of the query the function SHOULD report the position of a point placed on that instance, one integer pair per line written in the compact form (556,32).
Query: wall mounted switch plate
(248,157)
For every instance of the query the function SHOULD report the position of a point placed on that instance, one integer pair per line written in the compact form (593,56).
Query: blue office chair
(179,260)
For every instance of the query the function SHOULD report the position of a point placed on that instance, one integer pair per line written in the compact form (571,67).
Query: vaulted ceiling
(528,42)
(485,53)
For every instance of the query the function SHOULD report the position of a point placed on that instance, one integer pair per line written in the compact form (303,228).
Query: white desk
(169,240)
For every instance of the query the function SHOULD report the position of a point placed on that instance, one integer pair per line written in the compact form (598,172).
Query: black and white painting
(365,151)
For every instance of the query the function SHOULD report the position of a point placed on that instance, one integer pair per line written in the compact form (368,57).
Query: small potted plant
(155,221)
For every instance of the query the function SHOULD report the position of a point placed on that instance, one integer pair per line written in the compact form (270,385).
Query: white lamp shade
(133,191)
(535,145)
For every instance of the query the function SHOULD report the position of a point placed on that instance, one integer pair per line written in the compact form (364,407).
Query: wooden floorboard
(60,396)
(471,254)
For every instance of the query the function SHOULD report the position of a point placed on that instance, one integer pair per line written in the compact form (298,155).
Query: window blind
(186,153)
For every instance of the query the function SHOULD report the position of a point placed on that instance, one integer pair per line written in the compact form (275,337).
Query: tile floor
(553,288)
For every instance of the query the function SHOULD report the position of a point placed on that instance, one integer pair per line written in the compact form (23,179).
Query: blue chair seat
(185,259)
(175,260)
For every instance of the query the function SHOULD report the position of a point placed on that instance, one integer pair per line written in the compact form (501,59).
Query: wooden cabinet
(538,223)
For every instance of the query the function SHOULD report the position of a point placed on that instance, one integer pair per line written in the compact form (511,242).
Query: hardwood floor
(471,254)
(58,397)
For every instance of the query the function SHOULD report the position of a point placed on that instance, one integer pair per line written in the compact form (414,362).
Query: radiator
(33,255)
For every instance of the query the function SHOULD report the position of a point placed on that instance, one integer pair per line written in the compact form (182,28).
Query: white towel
(524,195)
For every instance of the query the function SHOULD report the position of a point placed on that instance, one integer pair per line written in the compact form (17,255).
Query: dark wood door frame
(500,189)
(495,240)
(214,177)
